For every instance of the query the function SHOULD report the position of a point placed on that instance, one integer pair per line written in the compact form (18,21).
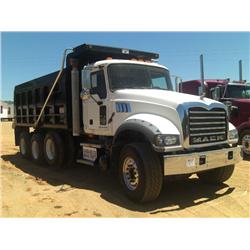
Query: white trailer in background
(6,110)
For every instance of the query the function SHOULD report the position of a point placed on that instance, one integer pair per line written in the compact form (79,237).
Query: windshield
(236,91)
(135,76)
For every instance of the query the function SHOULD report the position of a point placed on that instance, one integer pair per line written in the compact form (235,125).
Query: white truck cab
(191,134)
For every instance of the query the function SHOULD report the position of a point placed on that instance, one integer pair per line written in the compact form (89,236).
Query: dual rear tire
(43,148)
(53,149)
(36,144)
(24,145)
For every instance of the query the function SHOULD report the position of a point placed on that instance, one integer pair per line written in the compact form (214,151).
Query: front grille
(207,126)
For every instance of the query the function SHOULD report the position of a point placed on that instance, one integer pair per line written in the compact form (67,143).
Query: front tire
(140,172)
(217,175)
(54,150)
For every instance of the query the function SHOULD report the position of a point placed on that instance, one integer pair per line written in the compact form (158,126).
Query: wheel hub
(130,173)
(35,149)
(246,144)
(50,149)
(22,146)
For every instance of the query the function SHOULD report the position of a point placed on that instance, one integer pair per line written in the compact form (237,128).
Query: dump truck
(236,95)
(115,109)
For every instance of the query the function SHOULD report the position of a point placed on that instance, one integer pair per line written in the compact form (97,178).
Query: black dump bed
(30,96)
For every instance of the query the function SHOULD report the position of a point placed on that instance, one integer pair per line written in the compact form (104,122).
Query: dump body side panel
(29,98)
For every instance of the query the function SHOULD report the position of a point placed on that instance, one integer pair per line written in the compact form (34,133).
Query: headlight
(233,136)
(167,140)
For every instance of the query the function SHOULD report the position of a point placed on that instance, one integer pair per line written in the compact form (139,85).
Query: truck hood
(242,101)
(163,97)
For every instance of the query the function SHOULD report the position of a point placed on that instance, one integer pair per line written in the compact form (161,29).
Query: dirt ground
(28,190)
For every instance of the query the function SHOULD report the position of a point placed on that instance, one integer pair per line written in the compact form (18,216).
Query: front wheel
(217,175)
(140,172)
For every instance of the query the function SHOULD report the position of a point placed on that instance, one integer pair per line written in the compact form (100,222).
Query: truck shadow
(174,196)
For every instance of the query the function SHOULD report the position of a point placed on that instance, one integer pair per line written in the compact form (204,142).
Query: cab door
(95,108)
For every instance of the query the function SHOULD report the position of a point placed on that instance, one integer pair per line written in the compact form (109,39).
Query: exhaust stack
(75,97)
(240,70)
(202,77)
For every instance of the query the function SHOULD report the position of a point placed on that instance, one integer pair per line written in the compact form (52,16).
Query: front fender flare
(148,124)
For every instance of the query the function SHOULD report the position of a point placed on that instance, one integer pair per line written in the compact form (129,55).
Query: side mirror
(92,84)
(215,93)
(87,91)
(85,94)
(229,107)
(234,110)
(86,78)
(178,84)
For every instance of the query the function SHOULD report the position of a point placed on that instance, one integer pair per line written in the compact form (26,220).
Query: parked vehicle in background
(115,108)
(236,95)
(6,110)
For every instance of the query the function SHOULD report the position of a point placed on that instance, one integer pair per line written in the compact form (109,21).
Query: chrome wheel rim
(50,149)
(130,173)
(22,146)
(246,144)
(35,149)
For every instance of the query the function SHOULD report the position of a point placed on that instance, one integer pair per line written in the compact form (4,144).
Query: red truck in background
(234,94)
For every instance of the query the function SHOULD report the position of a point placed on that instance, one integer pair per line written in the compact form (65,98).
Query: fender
(148,124)
(244,125)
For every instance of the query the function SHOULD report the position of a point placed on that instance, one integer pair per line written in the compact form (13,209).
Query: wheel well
(128,136)
(125,137)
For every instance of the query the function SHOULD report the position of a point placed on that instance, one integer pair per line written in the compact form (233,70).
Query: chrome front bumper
(200,161)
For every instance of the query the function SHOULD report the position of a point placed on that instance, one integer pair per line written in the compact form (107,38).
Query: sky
(27,55)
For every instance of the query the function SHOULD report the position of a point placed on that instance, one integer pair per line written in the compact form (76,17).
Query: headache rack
(89,53)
